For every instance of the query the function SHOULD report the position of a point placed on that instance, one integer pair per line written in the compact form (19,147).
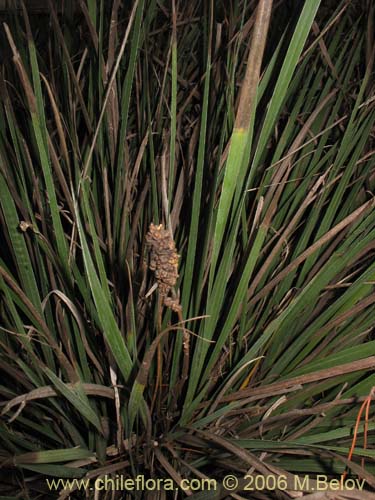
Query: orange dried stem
(365,404)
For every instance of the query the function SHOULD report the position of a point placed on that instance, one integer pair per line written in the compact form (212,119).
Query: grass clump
(188,226)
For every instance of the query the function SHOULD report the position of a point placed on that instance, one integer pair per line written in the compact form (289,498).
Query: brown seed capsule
(163,259)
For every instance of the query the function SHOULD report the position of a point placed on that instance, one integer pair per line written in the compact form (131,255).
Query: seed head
(163,258)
